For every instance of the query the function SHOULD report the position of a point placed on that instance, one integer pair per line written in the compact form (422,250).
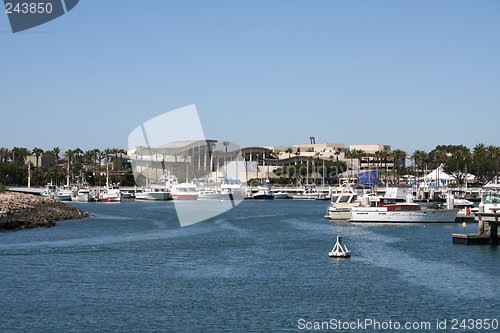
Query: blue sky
(411,74)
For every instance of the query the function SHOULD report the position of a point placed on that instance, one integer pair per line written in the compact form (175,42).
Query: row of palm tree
(75,164)
(457,160)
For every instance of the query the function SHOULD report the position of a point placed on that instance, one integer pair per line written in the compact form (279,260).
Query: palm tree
(4,155)
(337,153)
(358,154)
(289,150)
(399,157)
(18,155)
(56,151)
(37,152)
(479,153)
(419,160)
(493,154)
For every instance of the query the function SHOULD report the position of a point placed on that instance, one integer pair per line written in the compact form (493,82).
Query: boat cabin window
(344,198)
(491,198)
(402,208)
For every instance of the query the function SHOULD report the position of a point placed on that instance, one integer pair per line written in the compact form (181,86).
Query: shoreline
(20,211)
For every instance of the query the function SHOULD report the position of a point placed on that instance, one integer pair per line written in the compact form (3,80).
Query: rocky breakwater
(22,211)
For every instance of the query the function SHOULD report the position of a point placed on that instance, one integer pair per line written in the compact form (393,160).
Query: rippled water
(258,268)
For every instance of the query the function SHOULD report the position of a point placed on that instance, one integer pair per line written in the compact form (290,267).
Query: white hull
(158,196)
(339,215)
(305,197)
(262,196)
(280,195)
(182,196)
(62,197)
(379,215)
(111,194)
(82,197)
(111,197)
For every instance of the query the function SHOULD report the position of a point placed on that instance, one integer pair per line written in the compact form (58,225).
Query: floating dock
(487,230)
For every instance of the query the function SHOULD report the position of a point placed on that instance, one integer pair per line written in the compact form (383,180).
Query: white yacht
(345,197)
(64,193)
(342,200)
(112,193)
(50,190)
(184,191)
(466,208)
(209,194)
(490,198)
(83,194)
(155,192)
(309,193)
(263,192)
(281,195)
(232,189)
(403,212)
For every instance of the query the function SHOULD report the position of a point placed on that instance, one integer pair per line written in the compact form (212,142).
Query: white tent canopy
(438,173)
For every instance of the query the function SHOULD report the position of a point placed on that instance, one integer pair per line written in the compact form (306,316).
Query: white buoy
(339,250)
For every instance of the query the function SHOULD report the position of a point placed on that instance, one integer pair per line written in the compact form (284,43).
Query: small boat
(309,193)
(64,194)
(339,250)
(281,195)
(232,189)
(209,194)
(466,209)
(490,202)
(50,190)
(112,193)
(83,194)
(184,191)
(263,192)
(156,192)
(126,195)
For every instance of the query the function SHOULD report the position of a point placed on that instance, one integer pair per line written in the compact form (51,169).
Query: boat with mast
(112,192)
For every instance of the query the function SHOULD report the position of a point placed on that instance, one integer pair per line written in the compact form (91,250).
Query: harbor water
(260,267)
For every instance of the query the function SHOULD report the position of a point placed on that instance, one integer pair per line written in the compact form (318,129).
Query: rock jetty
(23,211)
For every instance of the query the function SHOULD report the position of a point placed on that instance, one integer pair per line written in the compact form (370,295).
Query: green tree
(37,152)
(398,158)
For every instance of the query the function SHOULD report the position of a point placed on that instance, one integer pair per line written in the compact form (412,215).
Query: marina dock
(487,230)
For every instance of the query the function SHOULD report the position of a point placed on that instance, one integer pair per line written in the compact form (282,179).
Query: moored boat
(403,213)
(184,191)
(263,192)
(309,193)
(112,193)
(342,200)
(209,194)
(281,195)
(490,201)
(64,193)
(153,194)
(83,194)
